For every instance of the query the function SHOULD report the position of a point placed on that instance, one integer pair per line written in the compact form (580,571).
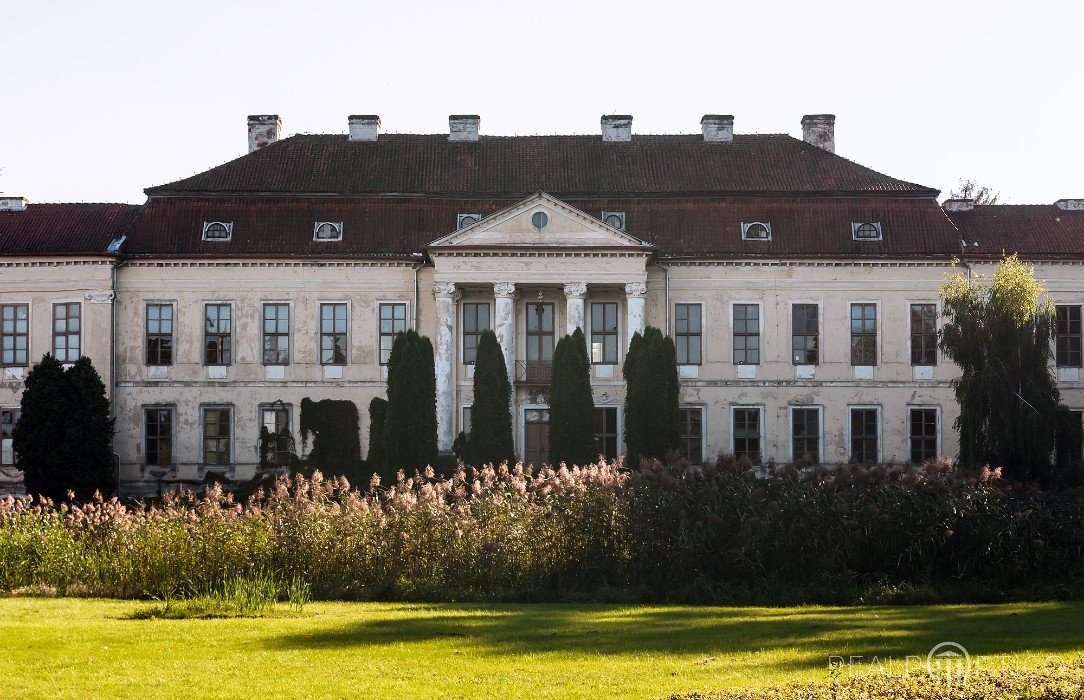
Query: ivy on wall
(332,427)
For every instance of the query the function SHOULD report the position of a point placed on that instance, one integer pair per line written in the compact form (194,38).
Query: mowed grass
(74,648)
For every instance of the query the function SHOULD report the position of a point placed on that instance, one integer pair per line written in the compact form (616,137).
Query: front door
(539,342)
(536,436)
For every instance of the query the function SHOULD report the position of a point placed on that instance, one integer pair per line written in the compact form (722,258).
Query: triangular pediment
(517,226)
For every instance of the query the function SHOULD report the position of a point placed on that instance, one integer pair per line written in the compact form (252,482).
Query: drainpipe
(113,273)
(665,294)
(414,313)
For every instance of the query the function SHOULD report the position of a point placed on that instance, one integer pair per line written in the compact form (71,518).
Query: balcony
(533,373)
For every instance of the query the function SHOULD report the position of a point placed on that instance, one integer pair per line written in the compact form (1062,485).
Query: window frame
(264,335)
(146,409)
(619,214)
(879,433)
(793,335)
(911,408)
(855,225)
(224,351)
(791,410)
(911,334)
(67,334)
(147,334)
(230,437)
(476,334)
(759,408)
(16,412)
(746,225)
(336,225)
(616,334)
(380,334)
(460,217)
(29,325)
(734,333)
(267,406)
(700,334)
(876,332)
(684,439)
(225,239)
(1078,337)
(320,332)
(616,435)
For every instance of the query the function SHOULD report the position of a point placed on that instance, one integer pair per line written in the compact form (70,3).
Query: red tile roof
(64,229)
(1032,230)
(516,166)
(695,226)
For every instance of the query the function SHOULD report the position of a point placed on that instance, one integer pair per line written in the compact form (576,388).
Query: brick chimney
(718,128)
(13,203)
(463,127)
(617,127)
(263,130)
(820,130)
(364,127)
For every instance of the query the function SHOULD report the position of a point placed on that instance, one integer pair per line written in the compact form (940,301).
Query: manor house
(800,288)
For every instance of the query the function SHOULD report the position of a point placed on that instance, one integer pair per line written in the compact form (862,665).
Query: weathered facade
(801,288)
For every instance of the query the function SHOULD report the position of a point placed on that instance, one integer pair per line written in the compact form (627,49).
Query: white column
(636,294)
(574,294)
(443,356)
(504,324)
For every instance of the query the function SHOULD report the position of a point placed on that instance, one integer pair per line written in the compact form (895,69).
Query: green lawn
(71,648)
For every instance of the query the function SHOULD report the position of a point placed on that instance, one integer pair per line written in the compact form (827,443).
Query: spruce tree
(90,433)
(490,439)
(378,413)
(410,429)
(652,415)
(572,409)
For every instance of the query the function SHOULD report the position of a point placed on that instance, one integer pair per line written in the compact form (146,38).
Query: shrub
(410,429)
(652,423)
(572,408)
(490,440)
(375,457)
(332,425)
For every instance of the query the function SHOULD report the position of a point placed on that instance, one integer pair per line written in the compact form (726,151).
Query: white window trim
(229,231)
(30,332)
(703,427)
(850,429)
(854,231)
(233,343)
(820,427)
(877,340)
(290,334)
(620,214)
(521,331)
(820,330)
(590,329)
(463,408)
(203,407)
(760,330)
(52,326)
(912,406)
(746,225)
(937,327)
(1054,335)
(760,409)
(408,320)
(268,405)
(349,330)
(703,327)
(143,408)
(338,229)
(620,427)
(17,472)
(462,313)
(172,335)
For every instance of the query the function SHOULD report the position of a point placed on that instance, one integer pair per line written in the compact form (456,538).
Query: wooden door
(536,436)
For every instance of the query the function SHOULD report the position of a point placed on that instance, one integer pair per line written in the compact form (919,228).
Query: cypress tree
(634,430)
(378,413)
(572,409)
(90,433)
(652,416)
(410,429)
(490,440)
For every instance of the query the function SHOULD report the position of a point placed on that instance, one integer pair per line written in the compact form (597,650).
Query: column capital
(636,289)
(576,290)
(504,289)
(445,290)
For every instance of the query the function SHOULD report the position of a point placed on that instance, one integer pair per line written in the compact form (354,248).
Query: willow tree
(999,331)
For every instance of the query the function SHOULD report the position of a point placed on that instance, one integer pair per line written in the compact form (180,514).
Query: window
(1068,345)
(217,334)
(465,425)
(392,322)
(333,334)
(1068,439)
(604,333)
(159,334)
(805,334)
(923,334)
(475,322)
(866,231)
(465,220)
(865,425)
(756,231)
(217,230)
(692,434)
(275,443)
(614,219)
(158,436)
(863,334)
(8,418)
(746,434)
(746,334)
(216,436)
(923,434)
(687,333)
(328,231)
(276,334)
(66,331)
(539,220)
(606,432)
(14,336)
(805,434)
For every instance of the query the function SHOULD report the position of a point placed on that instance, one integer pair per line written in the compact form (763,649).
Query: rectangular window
(216,436)
(865,425)
(275,442)
(863,334)
(1068,439)
(14,334)
(159,334)
(692,434)
(8,418)
(475,322)
(158,436)
(276,334)
(923,434)
(805,436)
(805,334)
(604,333)
(606,432)
(392,322)
(217,334)
(66,331)
(333,326)
(746,334)
(687,333)
(1068,344)
(747,434)
(923,334)
(465,425)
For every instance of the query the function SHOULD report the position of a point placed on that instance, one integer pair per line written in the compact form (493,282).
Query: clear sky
(101,99)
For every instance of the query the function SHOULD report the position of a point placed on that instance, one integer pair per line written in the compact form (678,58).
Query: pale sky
(101,99)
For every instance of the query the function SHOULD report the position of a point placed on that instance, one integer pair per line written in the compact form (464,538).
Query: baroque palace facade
(801,288)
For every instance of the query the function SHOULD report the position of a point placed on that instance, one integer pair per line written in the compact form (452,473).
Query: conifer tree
(490,439)
(410,429)
(378,413)
(90,433)
(652,416)
(572,410)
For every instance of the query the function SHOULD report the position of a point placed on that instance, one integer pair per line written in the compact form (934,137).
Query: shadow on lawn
(807,635)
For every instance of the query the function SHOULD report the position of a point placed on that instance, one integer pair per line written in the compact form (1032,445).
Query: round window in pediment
(539,220)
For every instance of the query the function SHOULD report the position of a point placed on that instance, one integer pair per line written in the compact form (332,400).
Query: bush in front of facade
(572,407)
(332,427)
(490,440)
(652,419)
(410,428)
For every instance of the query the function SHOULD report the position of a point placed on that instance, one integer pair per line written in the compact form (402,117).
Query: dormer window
(756,231)
(466,220)
(866,230)
(217,230)
(614,219)
(328,231)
